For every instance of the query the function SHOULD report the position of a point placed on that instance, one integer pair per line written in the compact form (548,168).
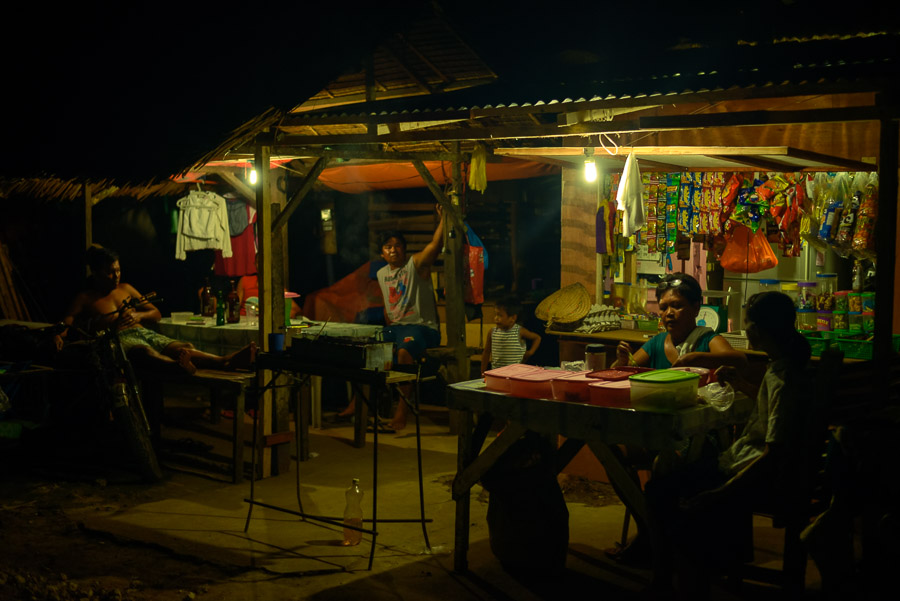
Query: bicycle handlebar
(131,303)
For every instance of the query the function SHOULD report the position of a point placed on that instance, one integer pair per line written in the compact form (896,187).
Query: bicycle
(119,389)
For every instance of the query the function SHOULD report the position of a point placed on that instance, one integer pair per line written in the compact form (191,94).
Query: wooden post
(281,415)
(886,244)
(266,305)
(454,282)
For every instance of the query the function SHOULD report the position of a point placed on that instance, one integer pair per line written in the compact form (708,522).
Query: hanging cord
(611,141)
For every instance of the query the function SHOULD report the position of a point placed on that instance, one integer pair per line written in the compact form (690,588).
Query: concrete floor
(205,519)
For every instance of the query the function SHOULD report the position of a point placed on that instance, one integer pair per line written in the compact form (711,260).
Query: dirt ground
(47,555)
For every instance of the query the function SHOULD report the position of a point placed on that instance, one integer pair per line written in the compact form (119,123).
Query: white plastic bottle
(353,515)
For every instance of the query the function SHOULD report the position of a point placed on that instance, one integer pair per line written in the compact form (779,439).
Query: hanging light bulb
(590,166)
(252,176)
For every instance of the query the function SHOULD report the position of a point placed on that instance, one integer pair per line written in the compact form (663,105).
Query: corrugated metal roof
(789,68)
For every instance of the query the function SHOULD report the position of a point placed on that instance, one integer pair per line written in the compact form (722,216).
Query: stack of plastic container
(826,286)
(806,306)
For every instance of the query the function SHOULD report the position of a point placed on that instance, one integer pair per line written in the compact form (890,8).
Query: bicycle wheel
(128,414)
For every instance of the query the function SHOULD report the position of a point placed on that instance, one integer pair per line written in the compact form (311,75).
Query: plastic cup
(276,342)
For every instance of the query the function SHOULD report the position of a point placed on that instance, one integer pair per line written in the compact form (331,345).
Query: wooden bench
(227,391)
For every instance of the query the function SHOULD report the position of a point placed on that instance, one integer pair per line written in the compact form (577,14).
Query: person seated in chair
(701,509)
(95,308)
(682,344)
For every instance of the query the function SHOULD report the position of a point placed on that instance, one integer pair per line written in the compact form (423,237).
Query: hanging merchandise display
(748,251)
(825,210)
(863,241)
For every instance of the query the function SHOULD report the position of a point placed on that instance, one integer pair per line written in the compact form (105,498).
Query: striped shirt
(507,347)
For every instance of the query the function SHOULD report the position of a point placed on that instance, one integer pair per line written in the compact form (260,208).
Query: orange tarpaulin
(343,300)
(356,179)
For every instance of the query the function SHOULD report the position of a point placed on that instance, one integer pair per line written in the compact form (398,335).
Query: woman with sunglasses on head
(684,343)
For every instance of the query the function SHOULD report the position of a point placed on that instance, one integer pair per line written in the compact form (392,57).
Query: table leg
(634,496)
(361,417)
(315,392)
(463,459)
(301,418)
(237,435)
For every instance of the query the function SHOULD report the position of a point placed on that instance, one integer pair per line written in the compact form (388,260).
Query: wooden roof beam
(235,182)
(757,118)
(305,187)
(408,44)
(756,162)
(361,118)
(403,65)
(363,153)
(487,133)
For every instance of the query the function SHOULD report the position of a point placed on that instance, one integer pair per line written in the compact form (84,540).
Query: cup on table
(276,342)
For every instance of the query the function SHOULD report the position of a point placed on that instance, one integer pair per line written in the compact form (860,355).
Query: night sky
(141,91)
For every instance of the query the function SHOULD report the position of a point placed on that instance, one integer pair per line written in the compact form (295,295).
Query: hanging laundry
(202,223)
(630,197)
(237,214)
(243,247)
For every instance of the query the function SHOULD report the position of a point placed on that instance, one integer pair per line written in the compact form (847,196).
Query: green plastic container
(664,390)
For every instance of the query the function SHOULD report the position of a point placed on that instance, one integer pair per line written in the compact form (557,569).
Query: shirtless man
(95,309)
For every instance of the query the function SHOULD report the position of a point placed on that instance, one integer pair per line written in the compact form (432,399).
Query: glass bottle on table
(207,301)
(220,308)
(353,514)
(233,306)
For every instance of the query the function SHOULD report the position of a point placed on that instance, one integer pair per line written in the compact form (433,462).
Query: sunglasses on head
(669,284)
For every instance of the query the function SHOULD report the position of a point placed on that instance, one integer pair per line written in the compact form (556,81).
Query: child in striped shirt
(508,342)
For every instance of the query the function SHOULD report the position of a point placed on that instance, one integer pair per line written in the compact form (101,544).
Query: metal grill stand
(378,383)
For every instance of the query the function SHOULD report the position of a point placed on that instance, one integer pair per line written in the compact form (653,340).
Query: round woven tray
(565,306)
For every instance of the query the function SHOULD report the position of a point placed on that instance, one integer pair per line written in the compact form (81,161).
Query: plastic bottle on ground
(353,515)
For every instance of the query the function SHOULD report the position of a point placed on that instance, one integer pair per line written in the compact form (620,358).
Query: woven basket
(564,307)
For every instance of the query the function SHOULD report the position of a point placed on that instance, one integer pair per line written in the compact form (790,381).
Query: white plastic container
(571,387)
(664,390)
(498,379)
(181,316)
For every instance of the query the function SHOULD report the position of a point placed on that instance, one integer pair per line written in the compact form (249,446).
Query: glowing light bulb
(590,170)
(252,177)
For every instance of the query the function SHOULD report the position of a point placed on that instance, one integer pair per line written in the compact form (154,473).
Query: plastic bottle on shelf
(826,286)
(207,301)
(233,306)
(353,515)
(806,300)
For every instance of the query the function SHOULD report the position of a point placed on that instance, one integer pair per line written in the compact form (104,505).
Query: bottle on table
(220,308)
(233,306)
(353,515)
(207,301)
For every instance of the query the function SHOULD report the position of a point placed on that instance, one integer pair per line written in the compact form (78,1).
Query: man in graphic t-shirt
(409,305)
